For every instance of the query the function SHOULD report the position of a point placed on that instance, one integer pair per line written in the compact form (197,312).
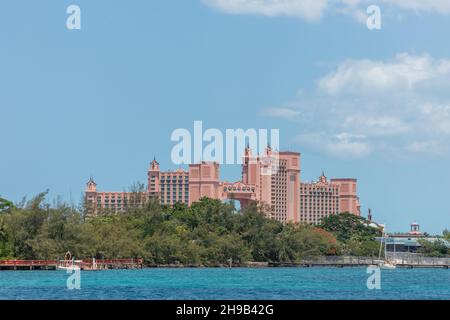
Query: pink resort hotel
(274,184)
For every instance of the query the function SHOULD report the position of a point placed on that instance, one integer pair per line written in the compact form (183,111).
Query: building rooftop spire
(91,185)
(154,165)
(323,178)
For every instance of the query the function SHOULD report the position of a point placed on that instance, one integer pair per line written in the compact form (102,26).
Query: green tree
(347,226)
(259,232)
(219,249)
(298,241)
(207,233)
(4,244)
(362,248)
(5,205)
(435,248)
(446,234)
(23,225)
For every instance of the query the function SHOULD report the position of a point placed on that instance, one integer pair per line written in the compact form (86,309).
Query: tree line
(207,233)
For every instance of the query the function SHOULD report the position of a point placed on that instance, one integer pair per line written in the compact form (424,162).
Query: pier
(94,264)
(344,265)
(28,264)
(401,261)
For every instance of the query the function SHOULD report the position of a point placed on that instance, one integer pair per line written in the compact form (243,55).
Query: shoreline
(253,265)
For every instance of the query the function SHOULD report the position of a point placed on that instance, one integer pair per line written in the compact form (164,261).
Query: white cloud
(436,6)
(310,10)
(391,106)
(341,145)
(313,10)
(284,113)
(437,118)
(432,147)
(402,73)
(376,125)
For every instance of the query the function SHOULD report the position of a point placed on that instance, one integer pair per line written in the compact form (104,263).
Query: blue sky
(104,100)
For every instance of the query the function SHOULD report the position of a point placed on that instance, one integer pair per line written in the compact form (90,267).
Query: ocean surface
(237,283)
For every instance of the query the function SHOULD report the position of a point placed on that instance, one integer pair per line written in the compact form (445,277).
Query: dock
(346,265)
(28,264)
(409,261)
(97,264)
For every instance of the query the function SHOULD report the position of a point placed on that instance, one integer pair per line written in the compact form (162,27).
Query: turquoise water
(236,283)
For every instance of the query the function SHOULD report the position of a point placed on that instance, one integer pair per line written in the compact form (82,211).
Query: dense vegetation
(353,233)
(446,234)
(208,233)
(433,249)
(5,204)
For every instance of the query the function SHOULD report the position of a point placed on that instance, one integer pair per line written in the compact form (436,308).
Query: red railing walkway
(86,264)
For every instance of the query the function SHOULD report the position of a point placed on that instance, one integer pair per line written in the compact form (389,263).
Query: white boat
(385,264)
(68,265)
(68,268)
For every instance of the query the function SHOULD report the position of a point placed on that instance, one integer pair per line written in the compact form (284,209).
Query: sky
(102,101)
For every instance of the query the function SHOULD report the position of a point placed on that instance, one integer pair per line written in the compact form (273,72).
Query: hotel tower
(271,179)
